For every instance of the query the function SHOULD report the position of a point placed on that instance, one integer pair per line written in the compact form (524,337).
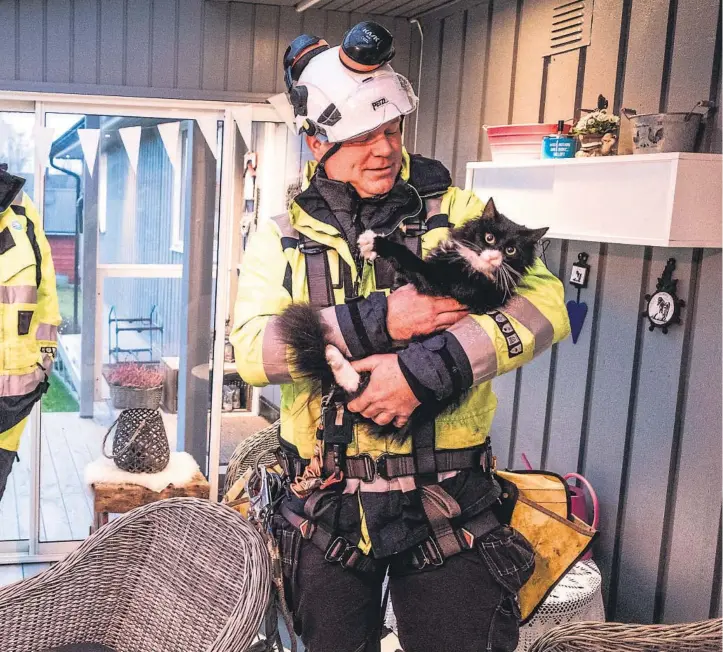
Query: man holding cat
(421,509)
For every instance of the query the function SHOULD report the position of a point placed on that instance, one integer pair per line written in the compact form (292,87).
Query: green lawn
(58,398)
(65,301)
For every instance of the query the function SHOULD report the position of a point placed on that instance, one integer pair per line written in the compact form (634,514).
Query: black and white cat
(480,264)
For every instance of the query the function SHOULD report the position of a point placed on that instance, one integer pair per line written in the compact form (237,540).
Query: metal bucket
(656,133)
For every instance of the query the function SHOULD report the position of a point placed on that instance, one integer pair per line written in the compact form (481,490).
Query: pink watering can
(578,505)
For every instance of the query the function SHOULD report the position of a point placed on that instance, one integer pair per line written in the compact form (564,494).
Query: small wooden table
(111,498)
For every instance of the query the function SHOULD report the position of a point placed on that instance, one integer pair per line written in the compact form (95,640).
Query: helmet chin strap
(335,147)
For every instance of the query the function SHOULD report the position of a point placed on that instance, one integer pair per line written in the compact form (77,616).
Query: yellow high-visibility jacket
(273,275)
(29,314)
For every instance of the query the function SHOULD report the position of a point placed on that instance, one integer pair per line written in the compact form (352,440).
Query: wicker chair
(703,636)
(178,575)
(259,448)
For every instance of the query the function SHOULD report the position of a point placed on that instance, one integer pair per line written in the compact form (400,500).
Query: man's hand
(387,397)
(410,314)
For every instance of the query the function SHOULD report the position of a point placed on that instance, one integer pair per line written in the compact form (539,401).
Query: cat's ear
(490,211)
(535,235)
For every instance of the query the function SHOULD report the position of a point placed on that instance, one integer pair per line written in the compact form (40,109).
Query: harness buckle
(374,468)
(426,554)
(336,550)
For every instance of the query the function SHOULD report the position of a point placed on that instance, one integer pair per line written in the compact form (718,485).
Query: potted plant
(597,131)
(134,385)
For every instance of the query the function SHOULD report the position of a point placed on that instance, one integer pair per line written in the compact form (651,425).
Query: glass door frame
(33,550)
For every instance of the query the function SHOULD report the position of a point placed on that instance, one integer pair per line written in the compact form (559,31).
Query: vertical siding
(638,412)
(485,66)
(192,49)
(138,230)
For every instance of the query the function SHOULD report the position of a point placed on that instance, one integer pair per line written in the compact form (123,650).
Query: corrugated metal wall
(638,413)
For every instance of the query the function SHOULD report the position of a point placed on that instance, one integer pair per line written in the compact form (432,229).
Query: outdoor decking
(68,443)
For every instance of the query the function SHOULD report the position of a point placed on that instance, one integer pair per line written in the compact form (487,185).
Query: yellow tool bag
(537,505)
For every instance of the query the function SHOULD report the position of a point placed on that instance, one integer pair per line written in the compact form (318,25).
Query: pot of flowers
(597,131)
(134,385)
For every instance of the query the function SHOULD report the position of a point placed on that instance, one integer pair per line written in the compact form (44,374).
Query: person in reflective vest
(29,315)
(421,509)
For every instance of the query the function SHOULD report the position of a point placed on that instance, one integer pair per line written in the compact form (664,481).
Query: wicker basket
(124,398)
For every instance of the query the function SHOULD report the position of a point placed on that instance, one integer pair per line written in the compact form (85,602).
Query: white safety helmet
(343,92)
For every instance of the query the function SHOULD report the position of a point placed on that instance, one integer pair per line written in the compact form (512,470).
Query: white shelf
(663,200)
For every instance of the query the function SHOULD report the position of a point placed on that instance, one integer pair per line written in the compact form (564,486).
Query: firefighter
(421,510)
(29,315)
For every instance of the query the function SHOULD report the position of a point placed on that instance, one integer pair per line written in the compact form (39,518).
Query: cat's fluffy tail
(304,332)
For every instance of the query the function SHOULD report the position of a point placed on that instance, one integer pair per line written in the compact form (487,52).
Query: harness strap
(318,274)
(429,552)
(387,467)
(336,549)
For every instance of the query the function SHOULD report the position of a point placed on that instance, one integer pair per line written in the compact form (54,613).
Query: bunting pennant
(283,107)
(131,137)
(209,129)
(243,117)
(89,139)
(43,137)
(169,136)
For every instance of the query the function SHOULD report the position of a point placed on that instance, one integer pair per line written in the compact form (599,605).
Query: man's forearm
(359,329)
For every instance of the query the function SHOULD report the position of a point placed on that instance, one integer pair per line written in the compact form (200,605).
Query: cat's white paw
(366,245)
(344,373)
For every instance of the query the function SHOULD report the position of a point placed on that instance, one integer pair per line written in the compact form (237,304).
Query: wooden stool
(111,498)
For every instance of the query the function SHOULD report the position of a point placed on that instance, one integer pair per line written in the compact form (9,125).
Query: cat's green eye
(510,251)
(489,238)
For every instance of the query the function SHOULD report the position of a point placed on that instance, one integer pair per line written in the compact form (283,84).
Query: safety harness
(337,428)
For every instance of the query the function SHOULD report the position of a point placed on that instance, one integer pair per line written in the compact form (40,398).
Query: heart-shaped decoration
(577,311)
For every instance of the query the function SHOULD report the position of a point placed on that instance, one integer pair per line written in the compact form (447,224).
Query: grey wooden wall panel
(502,431)
(57,51)
(402,30)
(697,507)
(601,62)
(263,79)
(695,31)
(646,55)
(469,126)
(530,62)
(533,389)
(111,43)
(289,29)
(428,89)
(449,89)
(187,49)
(138,43)
(314,21)
(164,44)
(611,381)
(7,19)
(653,429)
(31,41)
(337,24)
(571,370)
(410,124)
(190,29)
(561,86)
(215,45)
(240,51)
(499,80)
(85,42)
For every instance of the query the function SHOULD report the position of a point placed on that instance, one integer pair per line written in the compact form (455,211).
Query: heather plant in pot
(134,385)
